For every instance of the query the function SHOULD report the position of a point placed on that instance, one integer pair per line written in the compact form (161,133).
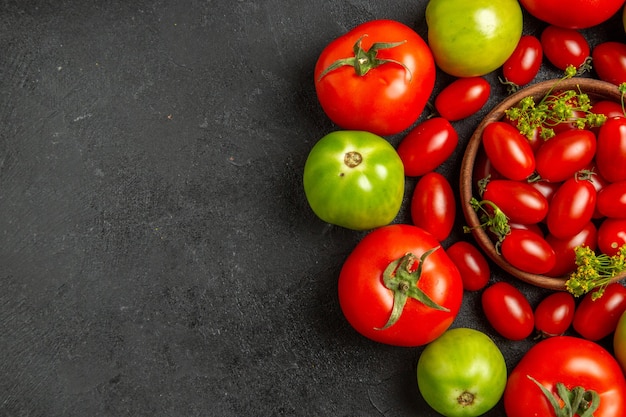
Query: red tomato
(575,14)
(533,227)
(596,319)
(611,150)
(564,47)
(547,189)
(483,169)
(563,155)
(611,235)
(474,268)
(573,362)
(564,249)
(571,208)
(528,251)
(382,91)
(523,65)
(608,108)
(611,200)
(518,200)
(554,314)
(609,61)
(462,98)
(508,311)
(384,277)
(433,206)
(427,146)
(508,150)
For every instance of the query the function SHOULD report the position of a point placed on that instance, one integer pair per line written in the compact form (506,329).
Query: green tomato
(354,179)
(462,373)
(619,341)
(473,37)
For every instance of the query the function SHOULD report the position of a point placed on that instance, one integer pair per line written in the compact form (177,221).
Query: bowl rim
(595,89)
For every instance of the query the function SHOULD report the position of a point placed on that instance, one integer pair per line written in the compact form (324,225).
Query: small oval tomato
(472,265)
(564,249)
(518,200)
(619,341)
(609,61)
(399,287)
(524,63)
(554,314)
(427,146)
(611,150)
(546,188)
(474,376)
(611,200)
(508,150)
(508,311)
(611,236)
(462,98)
(528,251)
(571,362)
(354,179)
(571,208)
(564,47)
(608,108)
(563,155)
(595,319)
(376,77)
(433,207)
(483,170)
(576,14)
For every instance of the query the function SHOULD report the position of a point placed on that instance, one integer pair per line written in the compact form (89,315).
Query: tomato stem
(401,278)
(576,401)
(492,219)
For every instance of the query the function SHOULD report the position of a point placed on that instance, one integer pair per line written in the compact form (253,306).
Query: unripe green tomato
(619,341)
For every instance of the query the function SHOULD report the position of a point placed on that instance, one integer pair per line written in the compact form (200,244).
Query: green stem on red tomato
(594,271)
(492,219)
(576,401)
(401,278)
(622,90)
(363,60)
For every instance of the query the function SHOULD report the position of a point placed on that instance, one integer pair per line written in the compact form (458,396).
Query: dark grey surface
(157,254)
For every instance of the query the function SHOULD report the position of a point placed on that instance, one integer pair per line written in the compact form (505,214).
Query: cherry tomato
(611,235)
(564,249)
(474,268)
(546,188)
(508,150)
(528,251)
(608,108)
(427,146)
(518,200)
(554,314)
(598,181)
(433,206)
(609,61)
(564,47)
(532,227)
(462,98)
(571,208)
(524,63)
(508,311)
(596,319)
(483,169)
(611,200)
(575,14)
(611,149)
(376,77)
(565,154)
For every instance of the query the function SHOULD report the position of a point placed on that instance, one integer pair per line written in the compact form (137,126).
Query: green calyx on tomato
(363,60)
(576,401)
(401,278)
(492,219)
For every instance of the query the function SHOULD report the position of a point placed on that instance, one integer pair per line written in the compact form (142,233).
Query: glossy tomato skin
(564,47)
(554,314)
(387,99)
(575,14)
(611,235)
(508,311)
(528,251)
(433,206)
(563,155)
(520,201)
(611,149)
(609,61)
(483,170)
(508,150)
(358,193)
(462,373)
(612,200)
(427,146)
(595,320)
(462,98)
(619,342)
(573,362)
(571,208)
(367,303)
(608,108)
(472,265)
(524,63)
(564,249)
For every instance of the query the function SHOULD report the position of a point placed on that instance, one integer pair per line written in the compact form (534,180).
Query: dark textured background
(157,254)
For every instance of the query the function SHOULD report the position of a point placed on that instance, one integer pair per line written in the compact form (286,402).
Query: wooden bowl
(596,89)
